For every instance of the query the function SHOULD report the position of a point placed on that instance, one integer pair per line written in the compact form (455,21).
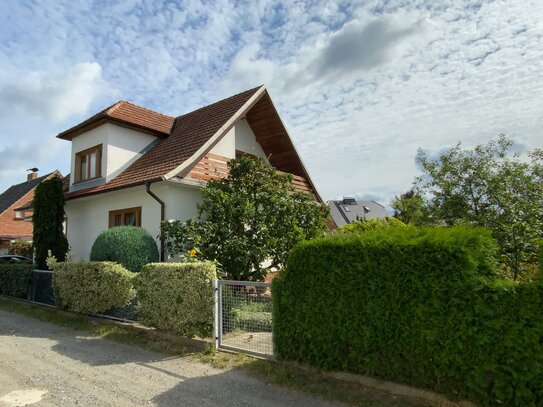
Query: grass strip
(309,380)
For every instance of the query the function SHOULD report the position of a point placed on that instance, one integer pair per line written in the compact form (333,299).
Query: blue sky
(360,85)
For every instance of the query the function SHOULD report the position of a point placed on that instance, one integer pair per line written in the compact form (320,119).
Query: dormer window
(88,164)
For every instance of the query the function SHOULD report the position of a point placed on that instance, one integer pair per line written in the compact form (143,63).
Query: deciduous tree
(487,186)
(248,221)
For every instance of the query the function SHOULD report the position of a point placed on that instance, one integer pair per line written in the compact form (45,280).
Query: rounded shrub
(130,246)
(92,287)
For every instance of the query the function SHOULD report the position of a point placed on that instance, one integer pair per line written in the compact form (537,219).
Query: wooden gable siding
(214,166)
(272,137)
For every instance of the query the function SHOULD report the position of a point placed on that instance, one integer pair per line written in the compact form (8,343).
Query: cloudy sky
(360,85)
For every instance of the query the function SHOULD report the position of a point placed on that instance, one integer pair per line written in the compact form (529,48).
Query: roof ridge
(219,101)
(126,102)
(113,107)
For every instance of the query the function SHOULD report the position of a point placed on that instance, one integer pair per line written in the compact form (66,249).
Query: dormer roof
(125,114)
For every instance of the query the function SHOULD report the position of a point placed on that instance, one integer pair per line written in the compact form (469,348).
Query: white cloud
(55,95)
(359,85)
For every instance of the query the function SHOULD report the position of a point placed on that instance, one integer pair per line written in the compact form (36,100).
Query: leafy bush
(424,307)
(92,287)
(177,297)
(20,247)
(371,224)
(15,279)
(130,246)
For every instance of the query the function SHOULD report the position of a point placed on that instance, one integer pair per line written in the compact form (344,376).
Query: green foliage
(370,225)
(15,279)
(540,261)
(48,218)
(246,219)
(409,208)
(487,186)
(92,287)
(424,307)
(131,246)
(20,247)
(177,297)
(253,316)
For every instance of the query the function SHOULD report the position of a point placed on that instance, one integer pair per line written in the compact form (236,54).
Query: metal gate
(243,317)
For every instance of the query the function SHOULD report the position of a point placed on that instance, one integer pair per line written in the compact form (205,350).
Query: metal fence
(41,287)
(243,317)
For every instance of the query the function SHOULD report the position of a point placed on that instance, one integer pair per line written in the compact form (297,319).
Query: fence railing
(243,317)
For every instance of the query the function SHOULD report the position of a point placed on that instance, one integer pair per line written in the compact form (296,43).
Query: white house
(134,166)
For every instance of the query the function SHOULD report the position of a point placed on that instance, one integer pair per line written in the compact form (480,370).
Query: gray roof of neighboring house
(349,210)
(16,192)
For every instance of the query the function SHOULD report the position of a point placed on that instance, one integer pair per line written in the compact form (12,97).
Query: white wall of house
(89,216)
(246,140)
(124,147)
(120,147)
(240,137)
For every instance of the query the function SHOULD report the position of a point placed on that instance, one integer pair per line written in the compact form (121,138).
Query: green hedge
(92,287)
(255,316)
(15,279)
(177,297)
(131,246)
(424,307)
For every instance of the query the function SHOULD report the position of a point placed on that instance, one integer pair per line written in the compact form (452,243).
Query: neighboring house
(134,166)
(16,210)
(349,210)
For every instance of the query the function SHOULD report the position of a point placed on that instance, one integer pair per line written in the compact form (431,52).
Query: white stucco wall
(240,137)
(120,147)
(89,216)
(246,140)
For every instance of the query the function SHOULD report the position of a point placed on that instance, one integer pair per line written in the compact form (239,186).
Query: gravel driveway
(48,365)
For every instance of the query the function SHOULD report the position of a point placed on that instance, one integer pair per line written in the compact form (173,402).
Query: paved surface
(42,364)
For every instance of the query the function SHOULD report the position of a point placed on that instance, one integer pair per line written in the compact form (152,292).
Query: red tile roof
(189,132)
(125,113)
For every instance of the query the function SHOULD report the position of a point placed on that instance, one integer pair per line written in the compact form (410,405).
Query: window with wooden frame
(88,164)
(125,217)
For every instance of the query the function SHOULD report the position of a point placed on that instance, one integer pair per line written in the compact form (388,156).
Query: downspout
(162,214)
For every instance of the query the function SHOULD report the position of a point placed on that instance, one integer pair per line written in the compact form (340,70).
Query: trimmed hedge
(419,306)
(253,316)
(15,279)
(177,297)
(92,287)
(131,246)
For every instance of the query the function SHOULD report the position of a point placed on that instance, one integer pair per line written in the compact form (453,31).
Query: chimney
(32,175)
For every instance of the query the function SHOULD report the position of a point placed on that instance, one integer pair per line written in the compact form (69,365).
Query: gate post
(216,314)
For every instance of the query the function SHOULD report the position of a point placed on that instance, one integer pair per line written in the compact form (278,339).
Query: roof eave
(81,128)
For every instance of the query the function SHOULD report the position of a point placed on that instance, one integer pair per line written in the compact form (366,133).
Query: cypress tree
(48,221)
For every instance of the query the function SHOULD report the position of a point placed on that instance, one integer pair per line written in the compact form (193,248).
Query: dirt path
(43,364)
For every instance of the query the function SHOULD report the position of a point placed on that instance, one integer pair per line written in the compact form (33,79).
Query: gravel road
(42,364)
